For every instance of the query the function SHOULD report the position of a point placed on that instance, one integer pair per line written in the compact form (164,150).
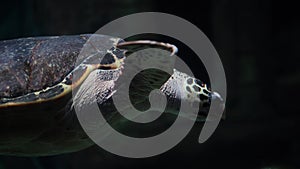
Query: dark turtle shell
(32,64)
(33,73)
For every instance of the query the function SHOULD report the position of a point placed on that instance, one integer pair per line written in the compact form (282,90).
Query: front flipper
(148,65)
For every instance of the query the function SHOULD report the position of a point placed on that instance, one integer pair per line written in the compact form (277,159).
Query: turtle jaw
(174,102)
(220,101)
(220,105)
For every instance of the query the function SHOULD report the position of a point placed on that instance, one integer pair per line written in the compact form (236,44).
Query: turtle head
(183,88)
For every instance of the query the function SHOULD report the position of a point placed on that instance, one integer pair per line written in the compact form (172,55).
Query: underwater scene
(174,84)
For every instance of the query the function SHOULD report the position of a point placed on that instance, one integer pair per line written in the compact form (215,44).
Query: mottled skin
(35,122)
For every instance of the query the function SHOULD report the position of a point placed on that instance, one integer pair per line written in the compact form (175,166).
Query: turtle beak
(220,103)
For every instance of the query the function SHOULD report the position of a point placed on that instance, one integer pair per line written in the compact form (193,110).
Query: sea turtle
(36,79)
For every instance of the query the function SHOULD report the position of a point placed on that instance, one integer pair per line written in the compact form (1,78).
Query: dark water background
(258,43)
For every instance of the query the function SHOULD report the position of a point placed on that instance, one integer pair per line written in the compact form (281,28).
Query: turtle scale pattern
(32,64)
